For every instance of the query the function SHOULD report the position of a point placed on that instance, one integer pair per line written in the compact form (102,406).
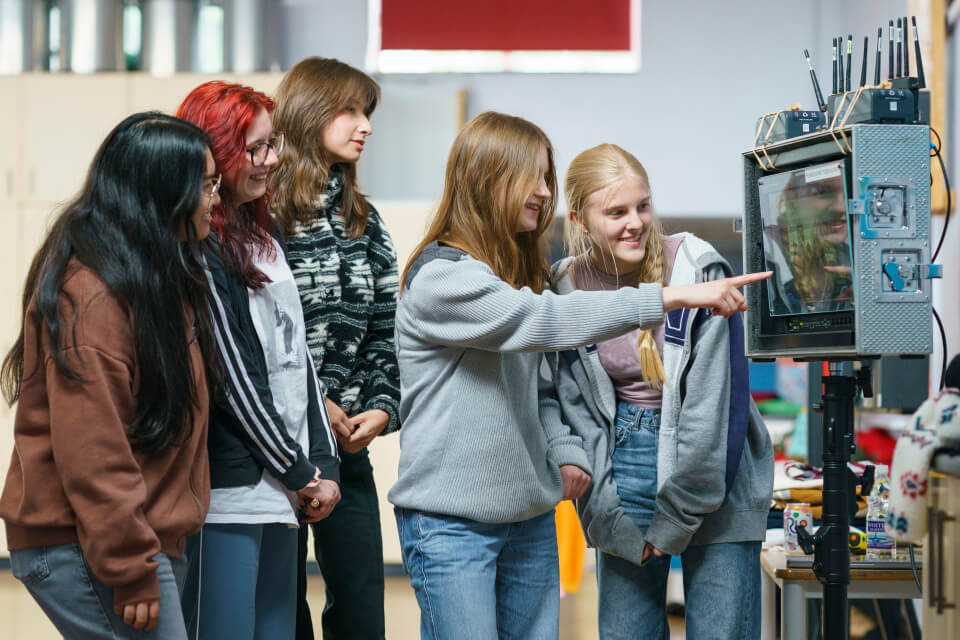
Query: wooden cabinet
(941,559)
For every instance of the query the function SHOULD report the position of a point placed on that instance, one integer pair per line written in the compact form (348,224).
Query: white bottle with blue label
(881,545)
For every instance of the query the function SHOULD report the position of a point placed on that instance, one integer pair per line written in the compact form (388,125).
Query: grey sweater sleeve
(696,487)
(563,445)
(462,303)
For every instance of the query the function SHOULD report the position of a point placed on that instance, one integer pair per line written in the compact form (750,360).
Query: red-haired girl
(272,450)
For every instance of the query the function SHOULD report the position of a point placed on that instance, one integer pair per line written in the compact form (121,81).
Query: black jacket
(246,431)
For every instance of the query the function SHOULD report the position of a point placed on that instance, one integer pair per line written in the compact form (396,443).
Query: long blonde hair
(591,171)
(309,97)
(492,169)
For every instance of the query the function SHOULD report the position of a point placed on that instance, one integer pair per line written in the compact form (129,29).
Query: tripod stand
(831,560)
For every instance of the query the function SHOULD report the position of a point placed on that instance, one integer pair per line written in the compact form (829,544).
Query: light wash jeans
(477,581)
(721,581)
(242,582)
(80,606)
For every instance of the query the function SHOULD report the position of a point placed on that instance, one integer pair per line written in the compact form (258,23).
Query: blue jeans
(80,606)
(721,581)
(242,582)
(477,581)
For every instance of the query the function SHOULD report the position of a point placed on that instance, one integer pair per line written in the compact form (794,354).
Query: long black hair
(142,189)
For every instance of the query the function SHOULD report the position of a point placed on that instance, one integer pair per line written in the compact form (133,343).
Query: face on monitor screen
(806,240)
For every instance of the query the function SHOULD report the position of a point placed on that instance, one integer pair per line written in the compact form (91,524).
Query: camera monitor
(806,240)
(846,232)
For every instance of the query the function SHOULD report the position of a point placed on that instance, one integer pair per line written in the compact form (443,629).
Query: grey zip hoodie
(715,458)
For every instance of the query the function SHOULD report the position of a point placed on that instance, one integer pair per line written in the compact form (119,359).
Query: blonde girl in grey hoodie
(682,463)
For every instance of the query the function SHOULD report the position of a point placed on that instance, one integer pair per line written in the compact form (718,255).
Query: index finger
(748,278)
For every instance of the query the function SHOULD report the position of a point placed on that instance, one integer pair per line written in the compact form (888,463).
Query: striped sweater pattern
(348,289)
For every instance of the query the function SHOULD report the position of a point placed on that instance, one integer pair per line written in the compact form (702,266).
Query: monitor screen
(806,240)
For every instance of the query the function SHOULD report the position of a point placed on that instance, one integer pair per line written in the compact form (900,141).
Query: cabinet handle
(941,600)
(930,563)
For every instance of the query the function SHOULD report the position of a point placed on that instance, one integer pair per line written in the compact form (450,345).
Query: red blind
(506,25)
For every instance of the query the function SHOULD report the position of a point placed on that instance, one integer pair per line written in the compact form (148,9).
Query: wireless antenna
(890,56)
(899,49)
(849,84)
(916,44)
(816,85)
(906,48)
(863,68)
(834,66)
(840,63)
(876,69)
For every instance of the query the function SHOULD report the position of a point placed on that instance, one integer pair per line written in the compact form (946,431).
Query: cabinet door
(266,81)
(163,93)
(941,560)
(10,143)
(65,117)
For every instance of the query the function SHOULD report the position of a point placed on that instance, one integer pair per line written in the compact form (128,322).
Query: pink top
(619,356)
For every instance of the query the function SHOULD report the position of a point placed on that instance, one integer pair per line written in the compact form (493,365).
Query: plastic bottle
(881,545)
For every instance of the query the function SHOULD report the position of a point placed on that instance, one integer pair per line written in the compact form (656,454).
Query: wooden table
(799,584)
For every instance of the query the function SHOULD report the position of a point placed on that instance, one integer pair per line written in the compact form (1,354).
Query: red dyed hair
(224,111)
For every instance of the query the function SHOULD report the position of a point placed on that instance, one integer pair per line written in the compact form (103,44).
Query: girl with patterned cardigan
(346,270)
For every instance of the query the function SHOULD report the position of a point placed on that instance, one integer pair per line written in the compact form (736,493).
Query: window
(132,36)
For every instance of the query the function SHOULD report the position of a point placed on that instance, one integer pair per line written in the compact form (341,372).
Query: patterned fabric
(348,289)
(936,423)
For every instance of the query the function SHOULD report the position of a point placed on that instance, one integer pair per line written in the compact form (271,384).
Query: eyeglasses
(259,153)
(214,188)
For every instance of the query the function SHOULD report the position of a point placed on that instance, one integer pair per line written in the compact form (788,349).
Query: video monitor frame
(806,240)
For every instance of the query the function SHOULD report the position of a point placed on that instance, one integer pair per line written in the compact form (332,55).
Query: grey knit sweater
(482,436)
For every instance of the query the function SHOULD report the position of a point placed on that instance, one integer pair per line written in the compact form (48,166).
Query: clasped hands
(357,432)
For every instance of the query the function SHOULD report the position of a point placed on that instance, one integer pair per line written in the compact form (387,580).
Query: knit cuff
(650,295)
(567,453)
(666,535)
(385,403)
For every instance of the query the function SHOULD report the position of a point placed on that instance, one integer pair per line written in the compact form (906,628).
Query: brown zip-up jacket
(73,476)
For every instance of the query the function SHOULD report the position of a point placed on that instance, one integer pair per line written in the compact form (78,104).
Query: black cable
(939,145)
(943,344)
(913,565)
(946,218)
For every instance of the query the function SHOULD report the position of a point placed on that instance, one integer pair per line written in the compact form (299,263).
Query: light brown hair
(594,170)
(492,169)
(309,97)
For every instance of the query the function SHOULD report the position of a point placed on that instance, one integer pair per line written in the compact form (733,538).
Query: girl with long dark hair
(111,372)
(346,271)
(272,450)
